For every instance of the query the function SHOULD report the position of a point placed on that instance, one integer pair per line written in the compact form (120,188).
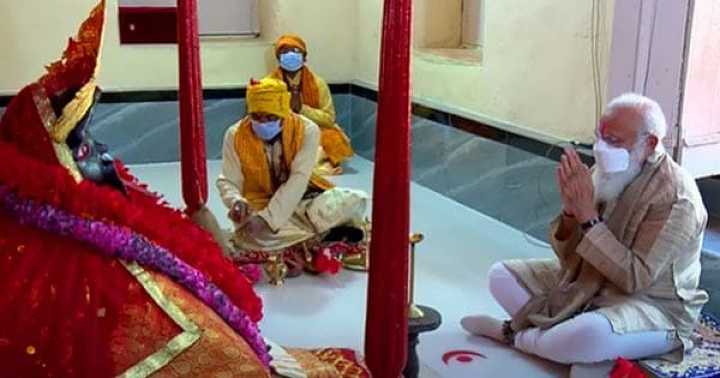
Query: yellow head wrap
(291,40)
(269,96)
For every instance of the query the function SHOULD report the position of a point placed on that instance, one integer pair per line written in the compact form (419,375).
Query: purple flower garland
(123,243)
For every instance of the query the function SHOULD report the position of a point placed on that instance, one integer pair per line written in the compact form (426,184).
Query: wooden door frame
(648,55)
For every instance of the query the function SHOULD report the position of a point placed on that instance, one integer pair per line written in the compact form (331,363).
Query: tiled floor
(148,132)
(710,278)
(497,179)
(460,246)
(712,236)
(710,189)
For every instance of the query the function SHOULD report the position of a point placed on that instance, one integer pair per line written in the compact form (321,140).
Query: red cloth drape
(192,128)
(387,317)
(52,291)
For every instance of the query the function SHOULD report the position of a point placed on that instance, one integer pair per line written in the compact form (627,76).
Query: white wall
(34,32)
(536,74)
(438,23)
(473,22)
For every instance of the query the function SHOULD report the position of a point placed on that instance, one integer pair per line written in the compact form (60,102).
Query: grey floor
(710,278)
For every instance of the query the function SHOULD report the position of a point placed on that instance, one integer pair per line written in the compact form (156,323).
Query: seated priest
(628,242)
(278,205)
(310,96)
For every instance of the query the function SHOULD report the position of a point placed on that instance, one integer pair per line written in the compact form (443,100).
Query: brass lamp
(413,311)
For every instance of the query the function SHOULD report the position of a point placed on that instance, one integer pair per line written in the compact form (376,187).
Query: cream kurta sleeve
(663,237)
(287,197)
(323,116)
(566,247)
(230,180)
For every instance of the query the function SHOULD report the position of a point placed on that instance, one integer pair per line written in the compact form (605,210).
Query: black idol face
(92,157)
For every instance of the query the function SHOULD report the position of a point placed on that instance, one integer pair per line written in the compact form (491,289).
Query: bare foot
(483,325)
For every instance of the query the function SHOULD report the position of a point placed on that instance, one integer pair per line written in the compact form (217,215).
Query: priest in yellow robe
(310,96)
(275,199)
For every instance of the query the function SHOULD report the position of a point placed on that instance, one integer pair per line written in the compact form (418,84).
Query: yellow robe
(258,187)
(318,106)
(292,215)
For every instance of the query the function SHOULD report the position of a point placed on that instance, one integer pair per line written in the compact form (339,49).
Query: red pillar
(192,128)
(387,312)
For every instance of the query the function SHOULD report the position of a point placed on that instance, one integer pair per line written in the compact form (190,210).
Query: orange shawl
(332,139)
(257,184)
(309,90)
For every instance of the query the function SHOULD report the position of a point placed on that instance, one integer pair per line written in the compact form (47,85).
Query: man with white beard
(628,241)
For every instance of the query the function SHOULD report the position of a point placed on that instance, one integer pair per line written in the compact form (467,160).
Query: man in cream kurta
(628,243)
(294,205)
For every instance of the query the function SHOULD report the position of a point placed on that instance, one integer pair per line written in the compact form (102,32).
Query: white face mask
(611,159)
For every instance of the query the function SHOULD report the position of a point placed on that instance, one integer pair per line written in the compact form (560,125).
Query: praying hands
(576,187)
(296,99)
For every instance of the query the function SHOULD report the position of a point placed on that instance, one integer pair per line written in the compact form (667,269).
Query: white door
(670,51)
(700,119)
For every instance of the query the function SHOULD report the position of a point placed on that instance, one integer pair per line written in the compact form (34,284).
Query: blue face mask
(267,130)
(291,61)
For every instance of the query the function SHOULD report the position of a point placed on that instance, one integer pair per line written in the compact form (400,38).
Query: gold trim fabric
(73,112)
(191,333)
(49,120)
(220,351)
